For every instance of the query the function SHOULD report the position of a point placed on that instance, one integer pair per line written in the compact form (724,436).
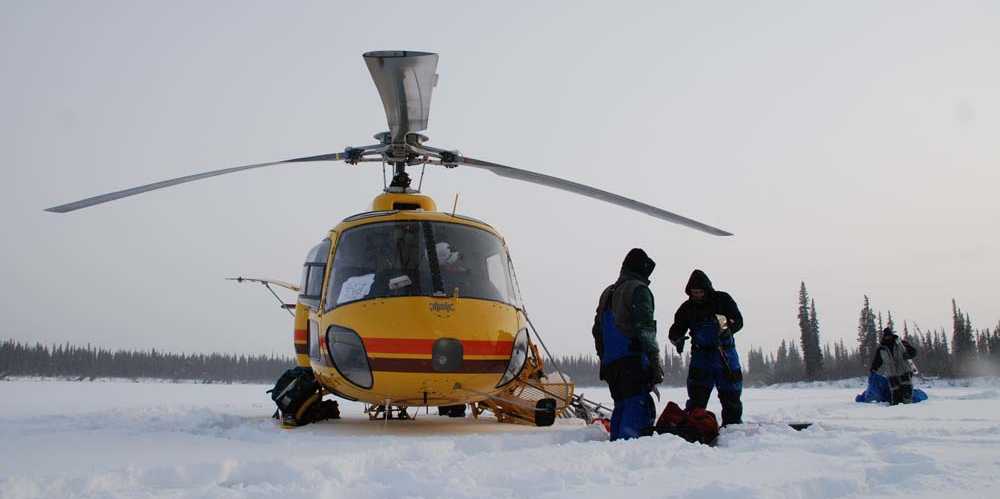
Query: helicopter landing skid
(530,402)
(378,412)
(587,410)
(530,399)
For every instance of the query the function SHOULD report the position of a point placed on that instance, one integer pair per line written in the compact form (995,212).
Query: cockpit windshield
(418,258)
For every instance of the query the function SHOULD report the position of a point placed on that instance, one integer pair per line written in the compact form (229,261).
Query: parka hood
(637,262)
(888,336)
(698,280)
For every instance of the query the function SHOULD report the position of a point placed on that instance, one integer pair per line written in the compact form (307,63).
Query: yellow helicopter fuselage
(425,338)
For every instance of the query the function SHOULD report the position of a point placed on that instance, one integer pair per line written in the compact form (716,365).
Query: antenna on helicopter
(405,81)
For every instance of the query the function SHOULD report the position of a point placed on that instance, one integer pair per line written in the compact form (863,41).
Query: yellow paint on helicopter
(420,303)
(400,200)
(399,335)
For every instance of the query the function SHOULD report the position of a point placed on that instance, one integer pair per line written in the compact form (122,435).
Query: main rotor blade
(591,192)
(111,196)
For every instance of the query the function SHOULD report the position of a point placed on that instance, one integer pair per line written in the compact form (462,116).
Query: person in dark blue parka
(625,338)
(712,318)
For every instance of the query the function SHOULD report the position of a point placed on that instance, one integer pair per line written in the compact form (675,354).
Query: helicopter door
(312,274)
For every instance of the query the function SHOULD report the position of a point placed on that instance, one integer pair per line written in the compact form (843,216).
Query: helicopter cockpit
(419,258)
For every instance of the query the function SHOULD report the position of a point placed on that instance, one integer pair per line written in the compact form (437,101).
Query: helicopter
(406,306)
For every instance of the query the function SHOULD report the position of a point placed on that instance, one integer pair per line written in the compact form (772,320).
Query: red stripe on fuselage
(302,335)
(426,366)
(422,346)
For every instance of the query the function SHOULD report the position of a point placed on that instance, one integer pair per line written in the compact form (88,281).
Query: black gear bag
(298,397)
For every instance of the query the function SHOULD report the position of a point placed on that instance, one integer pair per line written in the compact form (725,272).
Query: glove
(725,334)
(679,345)
(656,376)
(722,320)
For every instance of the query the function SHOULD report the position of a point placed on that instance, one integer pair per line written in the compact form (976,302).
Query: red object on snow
(693,425)
(672,415)
(605,423)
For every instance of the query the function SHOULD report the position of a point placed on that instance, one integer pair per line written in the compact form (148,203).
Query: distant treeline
(967,351)
(20,359)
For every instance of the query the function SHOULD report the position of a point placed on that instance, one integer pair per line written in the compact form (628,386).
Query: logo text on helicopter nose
(442,307)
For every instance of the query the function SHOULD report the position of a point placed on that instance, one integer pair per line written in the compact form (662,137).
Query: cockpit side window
(312,274)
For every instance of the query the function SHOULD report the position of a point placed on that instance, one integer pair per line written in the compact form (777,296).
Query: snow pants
(901,389)
(633,417)
(709,370)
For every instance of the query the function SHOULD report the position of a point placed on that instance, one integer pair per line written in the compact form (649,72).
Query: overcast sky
(850,145)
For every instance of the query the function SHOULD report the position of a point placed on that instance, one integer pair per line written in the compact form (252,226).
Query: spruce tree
(994,348)
(827,360)
(757,367)
(963,342)
(944,359)
(808,337)
(818,357)
(780,369)
(867,334)
(795,367)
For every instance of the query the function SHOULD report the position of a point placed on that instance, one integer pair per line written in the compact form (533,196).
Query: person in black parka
(625,339)
(892,360)
(712,318)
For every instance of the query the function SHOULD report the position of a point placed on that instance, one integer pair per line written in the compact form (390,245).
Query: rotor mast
(405,80)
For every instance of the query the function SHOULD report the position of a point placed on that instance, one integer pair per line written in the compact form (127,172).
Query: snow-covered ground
(119,439)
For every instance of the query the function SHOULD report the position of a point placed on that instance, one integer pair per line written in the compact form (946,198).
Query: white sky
(852,145)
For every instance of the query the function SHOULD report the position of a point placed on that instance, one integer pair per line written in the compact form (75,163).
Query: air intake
(447,355)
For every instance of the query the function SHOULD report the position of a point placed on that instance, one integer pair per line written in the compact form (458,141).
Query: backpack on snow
(299,399)
(693,425)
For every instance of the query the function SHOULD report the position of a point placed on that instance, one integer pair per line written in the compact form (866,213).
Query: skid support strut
(387,411)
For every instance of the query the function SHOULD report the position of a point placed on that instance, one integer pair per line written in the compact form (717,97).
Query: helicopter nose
(447,355)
